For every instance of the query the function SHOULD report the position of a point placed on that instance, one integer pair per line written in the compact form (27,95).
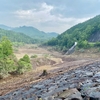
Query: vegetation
(16,37)
(35,33)
(8,61)
(23,64)
(18,44)
(83,33)
(25,34)
(34,56)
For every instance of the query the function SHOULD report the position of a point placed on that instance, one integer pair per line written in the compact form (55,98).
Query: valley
(35,68)
(49,50)
(53,62)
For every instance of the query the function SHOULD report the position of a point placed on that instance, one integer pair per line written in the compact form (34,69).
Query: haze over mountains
(31,32)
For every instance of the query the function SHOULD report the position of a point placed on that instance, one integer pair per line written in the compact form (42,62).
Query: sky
(47,15)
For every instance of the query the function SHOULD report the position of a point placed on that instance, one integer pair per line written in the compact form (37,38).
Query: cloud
(62,24)
(43,18)
(41,14)
(47,15)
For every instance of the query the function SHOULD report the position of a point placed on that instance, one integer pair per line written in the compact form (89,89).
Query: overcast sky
(47,15)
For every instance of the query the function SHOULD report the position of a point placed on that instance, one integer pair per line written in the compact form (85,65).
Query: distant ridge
(5,27)
(35,33)
(31,32)
(15,36)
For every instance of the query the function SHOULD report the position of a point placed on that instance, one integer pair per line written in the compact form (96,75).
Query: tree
(8,61)
(6,47)
(83,44)
(6,51)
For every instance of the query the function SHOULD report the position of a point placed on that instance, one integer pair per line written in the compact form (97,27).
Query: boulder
(71,93)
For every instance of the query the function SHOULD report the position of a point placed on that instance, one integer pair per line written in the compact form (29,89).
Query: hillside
(83,33)
(16,37)
(5,27)
(52,34)
(31,32)
(35,33)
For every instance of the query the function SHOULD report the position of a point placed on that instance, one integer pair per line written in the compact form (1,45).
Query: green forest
(9,65)
(17,37)
(86,34)
(35,33)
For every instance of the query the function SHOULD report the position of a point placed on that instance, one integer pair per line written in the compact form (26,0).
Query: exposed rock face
(95,37)
(80,84)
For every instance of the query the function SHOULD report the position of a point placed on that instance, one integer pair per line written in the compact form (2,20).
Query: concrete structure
(72,49)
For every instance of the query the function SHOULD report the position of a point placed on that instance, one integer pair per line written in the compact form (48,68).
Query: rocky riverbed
(82,83)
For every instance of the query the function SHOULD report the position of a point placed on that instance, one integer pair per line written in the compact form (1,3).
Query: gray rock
(69,93)
(63,86)
(42,86)
(49,98)
(89,74)
(97,74)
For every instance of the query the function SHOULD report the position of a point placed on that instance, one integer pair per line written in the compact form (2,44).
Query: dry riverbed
(54,62)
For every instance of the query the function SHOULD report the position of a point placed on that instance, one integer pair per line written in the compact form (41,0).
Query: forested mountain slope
(32,32)
(83,33)
(35,33)
(5,27)
(16,37)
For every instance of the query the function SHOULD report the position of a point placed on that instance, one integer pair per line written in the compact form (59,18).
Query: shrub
(34,56)
(25,58)
(84,44)
(46,55)
(24,64)
(97,44)
(3,72)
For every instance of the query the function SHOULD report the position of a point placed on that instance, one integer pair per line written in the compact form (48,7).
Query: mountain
(31,32)
(16,37)
(52,34)
(5,27)
(34,33)
(83,33)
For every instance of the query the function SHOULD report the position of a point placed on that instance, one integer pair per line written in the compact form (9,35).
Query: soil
(53,62)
